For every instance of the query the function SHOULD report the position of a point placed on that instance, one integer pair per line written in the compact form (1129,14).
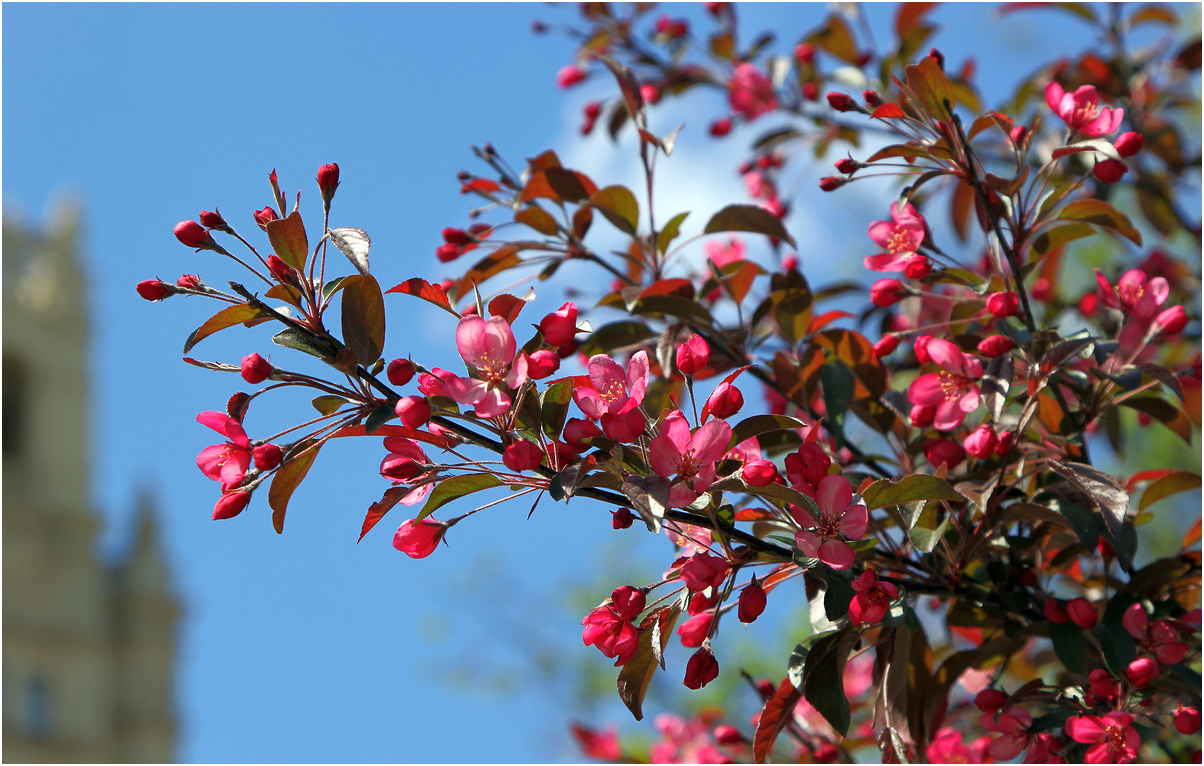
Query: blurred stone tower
(89,645)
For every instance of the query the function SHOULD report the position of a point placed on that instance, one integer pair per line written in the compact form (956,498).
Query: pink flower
(702,571)
(887,292)
(1080,110)
(995,345)
(1110,736)
(1187,720)
(1171,321)
(809,465)
(267,456)
(947,747)
(599,745)
(560,326)
(255,369)
(1013,725)
(900,237)
(1135,293)
(414,411)
(693,355)
(406,464)
(1082,612)
(981,442)
(873,598)
(1128,144)
(694,630)
(839,517)
(952,390)
(691,457)
(759,473)
(725,401)
(230,504)
(570,75)
(419,539)
(1003,304)
(1158,638)
(1141,671)
(723,253)
(542,364)
(523,455)
(609,627)
(488,347)
(750,92)
(228,462)
(400,372)
(611,389)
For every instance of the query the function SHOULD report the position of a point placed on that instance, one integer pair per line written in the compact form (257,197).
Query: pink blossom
(694,630)
(752,602)
(873,598)
(609,627)
(1080,110)
(228,462)
(406,464)
(839,516)
(947,747)
(488,347)
(419,539)
(599,745)
(1158,638)
(570,75)
(559,327)
(900,237)
(702,571)
(230,504)
(701,669)
(725,401)
(1135,293)
(952,390)
(691,457)
(809,465)
(611,388)
(693,355)
(750,92)
(723,253)
(1013,726)
(1111,737)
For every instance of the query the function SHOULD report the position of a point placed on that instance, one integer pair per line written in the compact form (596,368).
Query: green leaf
(288,477)
(838,382)
(292,338)
(328,404)
(378,417)
(837,596)
(823,677)
(363,318)
(619,206)
(1172,483)
(748,218)
(791,310)
(288,239)
(1164,412)
(1116,645)
(670,232)
(1056,236)
(1082,519)
(227,317)
(762,424)
(1069,646)
(615,335)
(456,487)
(1101,213)
(537,218)
(637,674)
(908,489)
(554,404)
(924,536)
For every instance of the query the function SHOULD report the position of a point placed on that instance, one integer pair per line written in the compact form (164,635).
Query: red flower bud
(945,451)
(1018,134)
(267,456)
(790,262)
(559,327)
(1110,171)
(213,220)
(886,346)
(990,700)
(721,127)
(1171,321)
(693,355)
(650,93)
(193,234)
(994,345)
(1102,684)
(1055,613)
(1006,440)
(570,75)
(419,539)
(154,290)
(255,369)
(400,372)
(805,53)
(263,216)
(564,352)
(728,736)
(230,504)
(701,669)
(1003,304)
(1187,720)
(480,230)
(576,429)
(1141,671)
(414,411)
(522,456)
(541,364)
(695,630)
(752,602)
(981,442)
(759,473)
(190,282)
(628,601)
(1089,304)
(457,237)
(280,270)
(887,292)
(448,252)
(872,98)
(810,91)
(328,181)
(922,417)
(841,102)
(848,165)
(917,267)
(621,519)
(1082,613)
(921,348)
(1128,144)
(725,401)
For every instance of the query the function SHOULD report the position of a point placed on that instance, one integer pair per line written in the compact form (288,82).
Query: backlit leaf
(619,206)
(455,487)
(288,477)
(908,489)
(221,320)
(762,424)
(1173,483)
(823,677)
(748,218)
(377,510)
(363,318)
(537,218)
(420,288)
(288,239)
(1100,213)
(778,712)
(637,674)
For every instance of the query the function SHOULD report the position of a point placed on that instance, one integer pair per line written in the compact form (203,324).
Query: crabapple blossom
(263,217)
(693,355)
(1102,684)
(695,630)
(570,75)
(1110,171)
(419,539)
(1128,144)
(872,600)
(228,462)
(952,391)
(995,345)
(609,626)
(214,220)
(990,700)
(725,401)
(807,466)
(400,372)
(900,237)
(1187,720)
(839,516)
(1111,737)
(944,451)
(750,92)
(1055,612)
(721,127)
(1013,727)
(691,457)
(414,411)
(701,669)
(922,417)
(522,456)
(488,347)
(759,473)
(1080,110)
(1171,321)
(947,747)
(192,234)
(887,292)
(1141,671)
(328,181)
(230,504)
(886,346)
(611,387)
(255,369)
(752,602)
(559,327)
(267,456)
(1135,293)
(702,571)
(155,290)
(622,518)
(1003,304)
(841,102)
(542,364)
(981,442)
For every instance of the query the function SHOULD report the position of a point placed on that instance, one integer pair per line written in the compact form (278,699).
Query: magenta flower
(1013,725)
(419,539)
(609,627)
(839,516)
(873,598)
(691,457)
(228,462)
(952,390)
(947,747)
(900,237)
(750,92)
(723,253)
(611,387)
(1158,638)
(1111,738)
(1135,293)
(487,346)
(406,464)
(1080,110)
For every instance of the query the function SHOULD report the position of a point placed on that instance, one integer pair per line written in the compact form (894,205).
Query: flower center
(613,392)
(1115,737)
(900,241)
(494,369)
(952,385)
(828,527)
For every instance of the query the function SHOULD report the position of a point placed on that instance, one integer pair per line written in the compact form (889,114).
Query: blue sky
(306,647)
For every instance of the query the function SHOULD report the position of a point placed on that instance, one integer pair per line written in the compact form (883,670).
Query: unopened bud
(414,411)
(841,102)
(155,290)
(872,98)
(1128,144)
(831,183)
(267,456)
(262,217)
(213,220)
(328,181)
(400,372)
(848,165)
(194,235)
(255,369)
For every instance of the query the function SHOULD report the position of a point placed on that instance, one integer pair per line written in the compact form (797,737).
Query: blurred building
(89,644)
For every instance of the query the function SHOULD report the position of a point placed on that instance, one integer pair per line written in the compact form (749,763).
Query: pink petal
(865,581)
(663,455)
(1106,122)
(465,390)
(590,402)
(518,372)
(945,354)
(1086,728)
(236,466)
(418,494)
(855,610)
(1005,748)
(406,448)
(836,554)
(710,442)
(881,231)
(833,494)
(808,543)
(803,517)
(638,372)
(1106,292)
(969,401)
(495,402)
(949,415)
(680,496)
(210,460)
(926,390)
(887,261)
(1053,96)
(471,342)
(855,521)
(1171,654)
(499,339)
(226,426)
(1136,621)
(604,373)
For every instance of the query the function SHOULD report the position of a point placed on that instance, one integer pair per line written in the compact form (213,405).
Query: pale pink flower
(1080,110)
(952,390)
(1158,638)
(488,347)
(839,516)
(723,253)
(750,92)
(611,388)
(1111,737)
(900,237)
(689,457)
(228,462)
(1135,293)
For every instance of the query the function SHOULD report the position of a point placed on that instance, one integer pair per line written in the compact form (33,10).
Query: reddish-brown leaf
(507,306)
(777,713)
(910,15)
(420,288)
(402,431)
(288,477)
(827,318)
(889,111)
(682,287)
(377,511)
(287,236)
